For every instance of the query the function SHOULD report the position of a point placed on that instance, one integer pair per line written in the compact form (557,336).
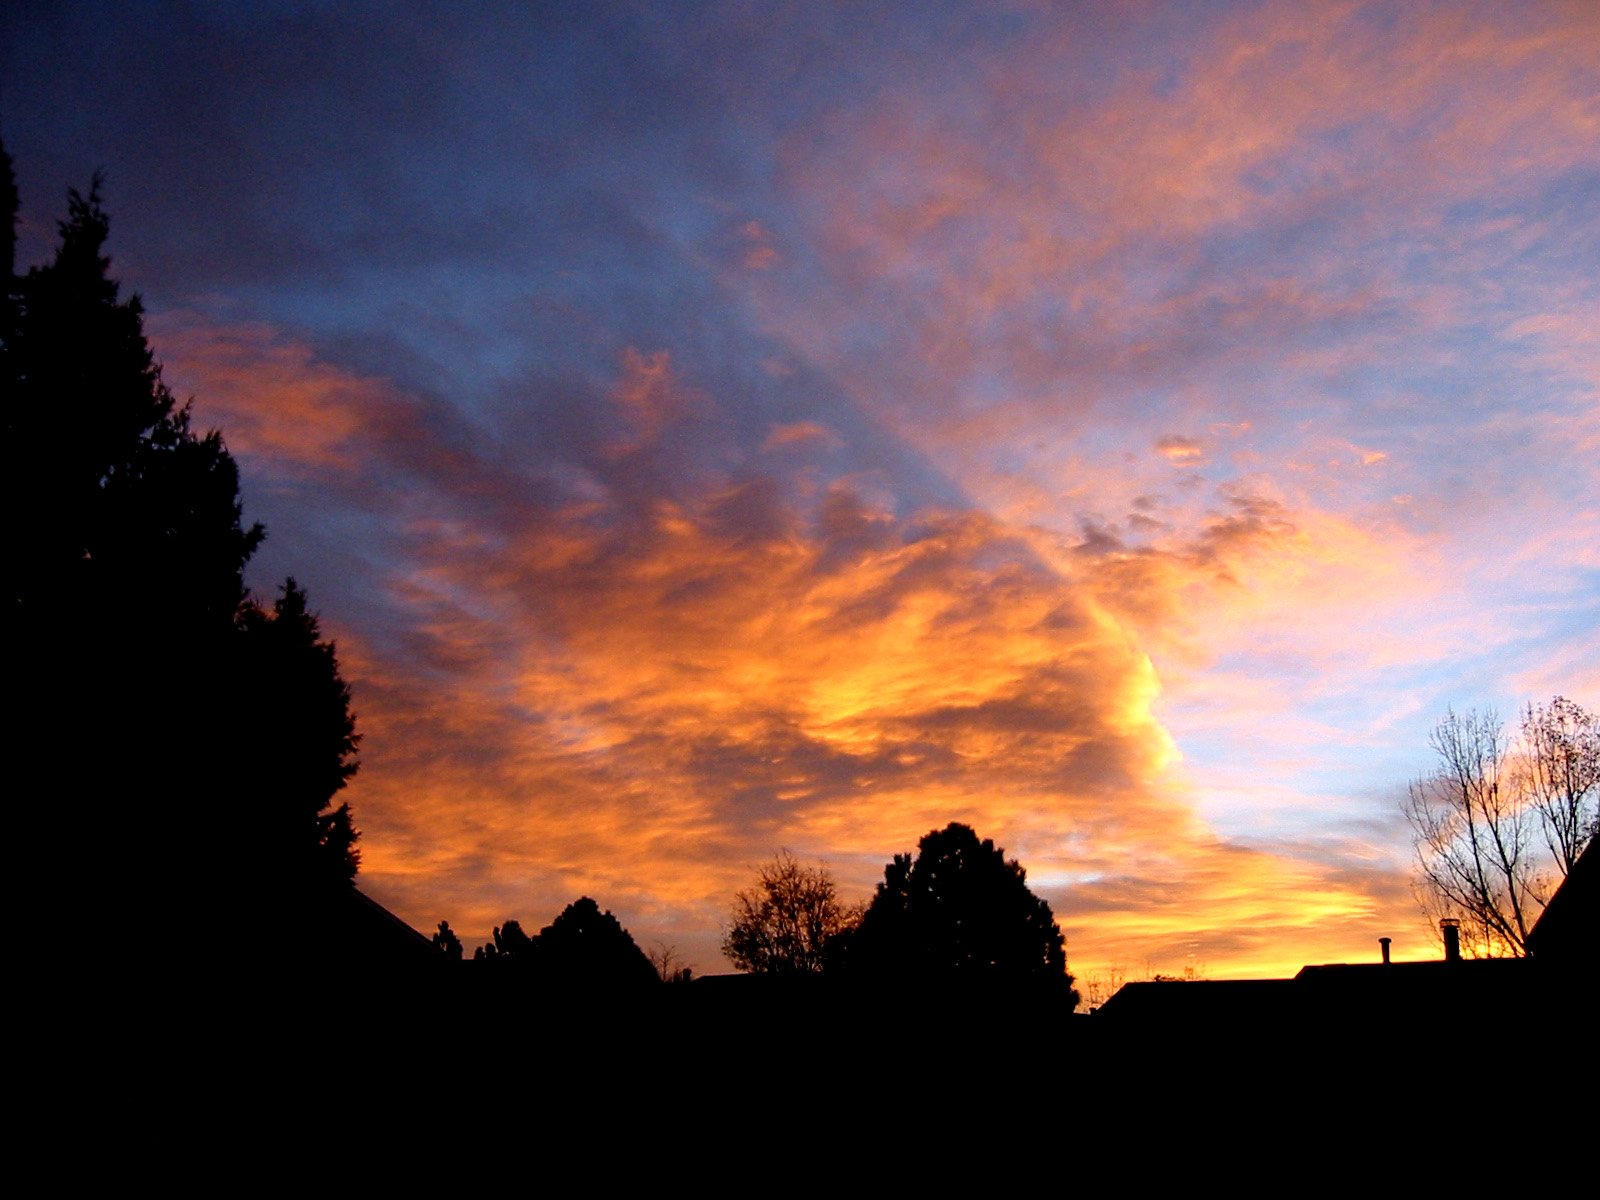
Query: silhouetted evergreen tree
(587,948)
(120,515)
(447,942)
(186,741)
(299,743)
(959,909)
(510,945)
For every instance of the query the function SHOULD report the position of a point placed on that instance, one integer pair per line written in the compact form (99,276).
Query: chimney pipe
(1451,929)
(1384,942)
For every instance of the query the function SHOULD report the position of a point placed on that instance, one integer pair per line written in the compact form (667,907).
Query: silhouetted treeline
(584,948)
(957,920)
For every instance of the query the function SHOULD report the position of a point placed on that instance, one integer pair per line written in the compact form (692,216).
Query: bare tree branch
(1474,815)
(1562,744)
(782,925)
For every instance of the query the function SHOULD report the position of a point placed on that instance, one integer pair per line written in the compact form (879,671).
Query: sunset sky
(707,429)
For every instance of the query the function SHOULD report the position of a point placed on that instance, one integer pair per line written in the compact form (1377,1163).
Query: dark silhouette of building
(1445,995)
(1566,930)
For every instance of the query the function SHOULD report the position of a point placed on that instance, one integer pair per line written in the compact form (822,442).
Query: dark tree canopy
(958,909)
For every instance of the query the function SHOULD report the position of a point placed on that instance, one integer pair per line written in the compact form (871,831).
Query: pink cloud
(799,433)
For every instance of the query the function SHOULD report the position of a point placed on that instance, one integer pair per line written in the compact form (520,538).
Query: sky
(707,429)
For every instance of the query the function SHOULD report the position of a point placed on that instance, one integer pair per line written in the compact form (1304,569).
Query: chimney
(1451,929)
(1384,942)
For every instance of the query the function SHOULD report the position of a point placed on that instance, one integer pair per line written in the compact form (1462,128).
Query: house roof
(1567,929)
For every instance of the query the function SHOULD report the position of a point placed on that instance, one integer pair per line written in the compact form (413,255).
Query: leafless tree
(669,964)
(1561,745)
(783,924)
(1475,815)
(1102,985)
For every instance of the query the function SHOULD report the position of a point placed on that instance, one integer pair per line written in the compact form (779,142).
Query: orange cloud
(638,701)
(271,397)
(1180,451)
(649,398)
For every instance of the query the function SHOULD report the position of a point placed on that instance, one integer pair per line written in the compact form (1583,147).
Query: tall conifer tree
(184,742)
